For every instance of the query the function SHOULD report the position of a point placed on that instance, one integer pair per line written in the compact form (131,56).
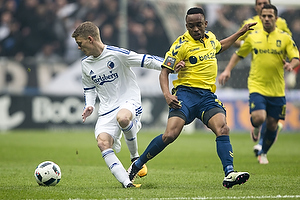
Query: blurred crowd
(228,19)
(43,28)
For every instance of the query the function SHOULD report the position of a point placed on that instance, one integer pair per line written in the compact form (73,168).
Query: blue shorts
(274,106)
(196,103)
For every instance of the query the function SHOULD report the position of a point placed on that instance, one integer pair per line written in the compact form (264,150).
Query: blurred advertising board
(50,96)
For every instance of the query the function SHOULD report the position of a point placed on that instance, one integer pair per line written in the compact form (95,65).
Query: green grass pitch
(187,169)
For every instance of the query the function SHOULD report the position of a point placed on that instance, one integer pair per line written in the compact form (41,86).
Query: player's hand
(224,77)
(287,66)
(87,112)
(173,102)
(179,66)
(248,27)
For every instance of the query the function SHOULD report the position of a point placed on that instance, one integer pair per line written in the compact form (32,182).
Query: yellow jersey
(201,68)
(268,51)
(280,23)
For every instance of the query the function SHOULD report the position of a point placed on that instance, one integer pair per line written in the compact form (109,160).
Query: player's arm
(289,66)
(227,42)
(151,62)
(225,75)
(90,96)
(292,54)
(171,100)
(238,43)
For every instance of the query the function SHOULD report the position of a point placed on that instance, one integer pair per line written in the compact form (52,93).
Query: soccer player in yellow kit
(280,24)
(269,47)
(193,93)
(259,4)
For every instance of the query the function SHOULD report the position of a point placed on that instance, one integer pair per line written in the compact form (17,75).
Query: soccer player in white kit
(106,73)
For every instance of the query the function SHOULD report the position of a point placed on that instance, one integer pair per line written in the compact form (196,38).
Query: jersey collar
(191,38)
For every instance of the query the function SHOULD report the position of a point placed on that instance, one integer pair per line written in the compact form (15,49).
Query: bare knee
(123,121)
(103,145)
(258,117)
(170,135)
(224,130)
(168,138)
(124,117)
(258,120)
(104,141)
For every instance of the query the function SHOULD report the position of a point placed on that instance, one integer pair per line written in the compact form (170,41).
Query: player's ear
(90,39)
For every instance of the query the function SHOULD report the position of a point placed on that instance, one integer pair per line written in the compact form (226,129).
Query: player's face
(84,45)
(268,19)
(260,4)
(196,24)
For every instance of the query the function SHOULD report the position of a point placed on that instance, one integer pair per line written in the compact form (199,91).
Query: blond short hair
(86,29)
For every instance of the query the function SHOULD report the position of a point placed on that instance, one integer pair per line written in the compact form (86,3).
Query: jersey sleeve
(218,45)
(174,55)
(292,50)
(282,25)
(144,60)
(245,48)
(89,91)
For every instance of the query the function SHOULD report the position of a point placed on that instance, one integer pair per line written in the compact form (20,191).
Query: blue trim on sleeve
(89,88)
(158,58)
(219,51)
(143,60)
(112,48)
(85,57)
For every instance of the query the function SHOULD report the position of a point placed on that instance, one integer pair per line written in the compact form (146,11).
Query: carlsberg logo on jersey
(101,79)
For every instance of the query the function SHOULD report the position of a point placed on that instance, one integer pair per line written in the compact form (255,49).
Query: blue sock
(154,148)
(268,140)
(225,153)
(262,133)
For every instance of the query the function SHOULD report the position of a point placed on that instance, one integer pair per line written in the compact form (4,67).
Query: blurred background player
(270,47)
(282,25)
(259,4)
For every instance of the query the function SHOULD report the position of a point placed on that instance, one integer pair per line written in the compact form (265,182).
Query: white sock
(130,133)
(115,166)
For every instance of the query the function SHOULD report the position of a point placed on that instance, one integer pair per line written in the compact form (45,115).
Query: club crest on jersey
(278,43)
(110,64)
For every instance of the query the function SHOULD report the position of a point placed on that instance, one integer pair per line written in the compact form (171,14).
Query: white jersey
(109,76)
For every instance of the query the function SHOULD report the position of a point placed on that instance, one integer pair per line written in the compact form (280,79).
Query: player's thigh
(258,107)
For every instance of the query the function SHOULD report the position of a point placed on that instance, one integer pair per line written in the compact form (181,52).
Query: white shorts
(108,123)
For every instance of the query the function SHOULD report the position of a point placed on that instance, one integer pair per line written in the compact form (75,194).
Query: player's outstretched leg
(132,171)
(144,171)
